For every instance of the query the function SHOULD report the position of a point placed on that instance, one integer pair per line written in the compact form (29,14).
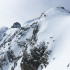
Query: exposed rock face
(16,25)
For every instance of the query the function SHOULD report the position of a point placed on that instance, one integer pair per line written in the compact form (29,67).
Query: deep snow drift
(54,30)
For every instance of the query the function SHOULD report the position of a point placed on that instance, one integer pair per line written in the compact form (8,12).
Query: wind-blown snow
(59,28)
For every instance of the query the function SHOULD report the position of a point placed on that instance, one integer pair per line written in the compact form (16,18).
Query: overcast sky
(23,10)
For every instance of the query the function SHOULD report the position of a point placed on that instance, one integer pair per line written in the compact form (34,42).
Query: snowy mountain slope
(53,29)
(59,30)
(12,45)
(2,31)
(55,24)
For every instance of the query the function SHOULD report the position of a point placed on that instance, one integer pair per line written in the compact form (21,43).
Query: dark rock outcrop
(16,25)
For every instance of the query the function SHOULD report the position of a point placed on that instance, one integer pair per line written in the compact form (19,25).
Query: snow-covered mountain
(48,36)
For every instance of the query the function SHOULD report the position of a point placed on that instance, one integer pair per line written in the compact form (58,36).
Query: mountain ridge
(50,30)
